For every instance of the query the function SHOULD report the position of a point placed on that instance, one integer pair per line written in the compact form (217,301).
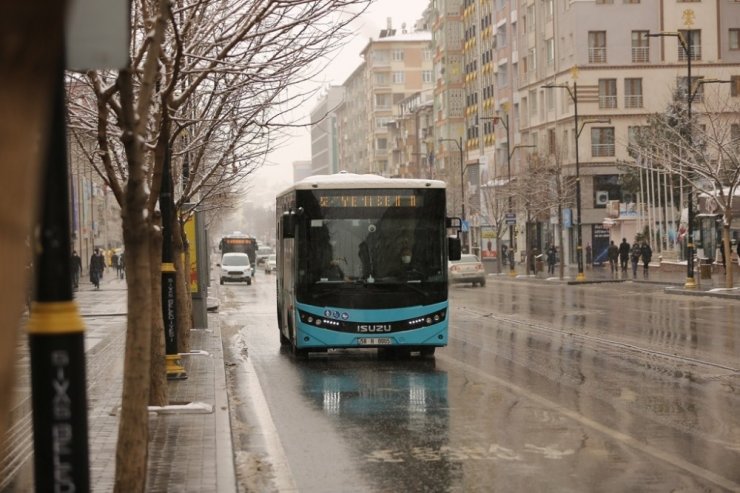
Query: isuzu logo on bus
(366,328)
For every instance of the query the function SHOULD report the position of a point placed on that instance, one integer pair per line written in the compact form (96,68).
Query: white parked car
(235,267)
(271,264)
(468,269)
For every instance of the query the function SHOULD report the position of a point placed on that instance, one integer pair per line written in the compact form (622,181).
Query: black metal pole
(56,331)
(462,185)
(175,371)
(579,240)
(512,270)
(690,281)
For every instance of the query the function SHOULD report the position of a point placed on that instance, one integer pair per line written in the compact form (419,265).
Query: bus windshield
(394,246)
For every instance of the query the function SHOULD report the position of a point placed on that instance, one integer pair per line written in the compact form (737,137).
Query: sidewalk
(672,276)
(189,446)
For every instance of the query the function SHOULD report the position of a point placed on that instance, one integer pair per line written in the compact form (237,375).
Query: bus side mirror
(454,247)
(288,225)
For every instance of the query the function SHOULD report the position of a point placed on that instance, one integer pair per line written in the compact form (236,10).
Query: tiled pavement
(189,451)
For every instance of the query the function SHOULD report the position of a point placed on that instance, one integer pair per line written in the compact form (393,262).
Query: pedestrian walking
(552,258)
(624,254)
(613,254)
(589,256)
(114,261)
(97,265)
(121,270)
(635,252)
(722,255)
(646,253)
(76,269)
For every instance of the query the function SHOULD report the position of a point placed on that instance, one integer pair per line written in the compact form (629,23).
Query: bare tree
(209,84)
(703,152)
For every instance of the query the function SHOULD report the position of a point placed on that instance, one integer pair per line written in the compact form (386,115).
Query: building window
(682,87)
(381,144)
(427,77)
(631,1)
(397,55)
(597,46)
(550,51)
(607,93)
(380,57)
(735,39)
(604,1)
(640,47)
(602,141)
(381,78)
(382,101)
(633,93)
(735,86)
(692,37)
(428,55)
(382,122)
(399,77)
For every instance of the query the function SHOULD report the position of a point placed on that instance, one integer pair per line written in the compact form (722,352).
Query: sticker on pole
(97,34)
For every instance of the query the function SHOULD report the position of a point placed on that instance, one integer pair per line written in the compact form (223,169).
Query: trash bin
(705,269)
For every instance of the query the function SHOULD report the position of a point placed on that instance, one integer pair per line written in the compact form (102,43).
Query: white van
(235,267)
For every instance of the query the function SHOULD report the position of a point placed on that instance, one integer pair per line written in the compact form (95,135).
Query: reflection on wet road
(543,388)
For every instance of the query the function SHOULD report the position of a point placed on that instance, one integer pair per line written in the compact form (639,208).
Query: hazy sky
(278,172)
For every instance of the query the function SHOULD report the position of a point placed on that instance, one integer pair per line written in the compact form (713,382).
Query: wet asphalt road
(544,387)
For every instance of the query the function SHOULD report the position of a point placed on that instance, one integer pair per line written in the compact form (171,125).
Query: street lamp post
(509,154)
(459,145)
(579,239)
(686,47)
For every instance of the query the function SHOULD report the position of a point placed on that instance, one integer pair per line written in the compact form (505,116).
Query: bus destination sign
(385,200)
(238,241)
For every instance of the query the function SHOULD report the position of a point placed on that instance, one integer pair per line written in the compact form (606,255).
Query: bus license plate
(371,341)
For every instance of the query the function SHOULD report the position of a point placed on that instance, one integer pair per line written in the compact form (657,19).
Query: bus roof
(345,180)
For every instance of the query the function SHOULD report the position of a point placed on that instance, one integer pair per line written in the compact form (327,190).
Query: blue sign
(464,227)
(511,218)
(568,218)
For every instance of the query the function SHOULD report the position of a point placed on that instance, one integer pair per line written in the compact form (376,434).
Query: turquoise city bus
(362,263)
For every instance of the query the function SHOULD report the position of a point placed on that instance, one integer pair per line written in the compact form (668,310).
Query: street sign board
(97,34)
(511,218)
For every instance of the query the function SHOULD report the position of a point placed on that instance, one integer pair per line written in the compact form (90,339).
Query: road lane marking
(616,435)
(283,476)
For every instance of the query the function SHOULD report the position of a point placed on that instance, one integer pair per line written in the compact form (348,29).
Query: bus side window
(454,247)
(288,225)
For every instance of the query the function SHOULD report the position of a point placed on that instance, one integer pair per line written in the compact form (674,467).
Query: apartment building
(411,135)
(396,65)
(449,99)
(324,132)
(598,60)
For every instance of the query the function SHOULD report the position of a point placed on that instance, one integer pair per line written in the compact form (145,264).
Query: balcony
(640,54)
(597,54)
(607,101)
(602,150)
(633,101)
(694,50)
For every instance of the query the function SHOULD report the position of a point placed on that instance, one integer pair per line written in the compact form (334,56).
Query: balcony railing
(695,51)
(597,54)
(633,101)
(607,101)
(602,150)
(640,54)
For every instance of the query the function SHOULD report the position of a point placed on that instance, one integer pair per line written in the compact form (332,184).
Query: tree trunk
(728,252)
(561,251)
(182,293)
(28,66)
(158,395)
(133,431)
